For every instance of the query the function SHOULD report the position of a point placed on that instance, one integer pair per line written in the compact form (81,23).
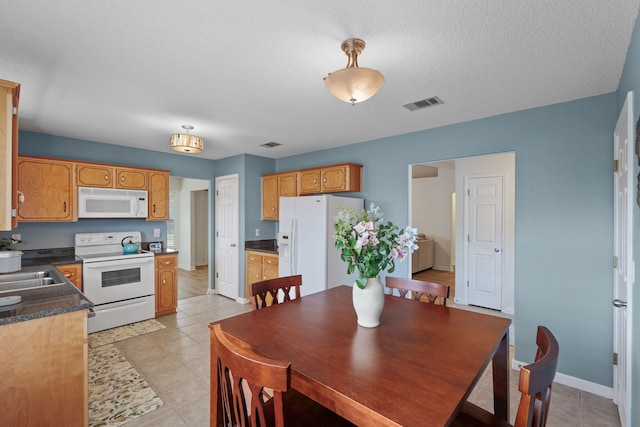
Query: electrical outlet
(257,232)
(16,236)
(156,232)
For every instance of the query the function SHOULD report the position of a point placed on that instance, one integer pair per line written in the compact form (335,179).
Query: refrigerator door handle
(292,250)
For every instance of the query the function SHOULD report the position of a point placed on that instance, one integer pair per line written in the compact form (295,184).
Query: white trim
(577,383)
(241,300)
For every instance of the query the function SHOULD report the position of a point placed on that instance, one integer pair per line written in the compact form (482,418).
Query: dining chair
(240,395)
(267,292)
(418,288)
(535,385)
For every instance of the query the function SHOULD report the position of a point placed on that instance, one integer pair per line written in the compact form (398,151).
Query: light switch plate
(156,232)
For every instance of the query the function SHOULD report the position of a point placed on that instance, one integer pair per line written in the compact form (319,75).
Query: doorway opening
(440,209)
(188,232)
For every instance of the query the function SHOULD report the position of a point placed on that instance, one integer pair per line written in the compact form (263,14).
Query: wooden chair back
(418,288)
(267,292)
(248,389)
(536,380)
(535,388)
(236,364)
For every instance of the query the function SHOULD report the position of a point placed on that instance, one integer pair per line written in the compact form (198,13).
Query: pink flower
(360,227)
(368,225)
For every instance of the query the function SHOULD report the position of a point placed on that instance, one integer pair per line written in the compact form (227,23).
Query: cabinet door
(9,97)
(270,197)
(253,274)
(94,176)
(309,181)
(166,292)
(73,273)
(166,284)
(158,196)
(334,179)
(287,185)
(134,179)
(48,188)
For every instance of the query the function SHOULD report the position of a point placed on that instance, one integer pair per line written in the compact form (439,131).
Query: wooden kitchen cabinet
(309,181)
(273,187)
(259,266)
(158,196)
(72,272)
(131,179)
(49,190)
(44,371)
(166,284)
(330,179)
(9,98)
(93,175)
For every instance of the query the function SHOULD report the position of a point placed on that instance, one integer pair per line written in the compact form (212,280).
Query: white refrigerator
(305,241)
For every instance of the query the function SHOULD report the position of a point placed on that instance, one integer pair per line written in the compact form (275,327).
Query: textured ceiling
(244,73)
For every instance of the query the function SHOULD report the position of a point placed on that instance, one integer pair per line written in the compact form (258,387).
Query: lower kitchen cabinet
(259,266)
(44,371)
(73,273)
(166,284)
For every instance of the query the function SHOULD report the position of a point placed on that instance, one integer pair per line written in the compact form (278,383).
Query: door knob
(619,303)
(496,250)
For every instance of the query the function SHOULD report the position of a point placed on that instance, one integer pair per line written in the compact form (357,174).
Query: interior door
(226,257)
(485,241)
(623,259)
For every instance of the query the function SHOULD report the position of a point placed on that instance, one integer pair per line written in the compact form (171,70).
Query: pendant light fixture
(354,84)
(186,143)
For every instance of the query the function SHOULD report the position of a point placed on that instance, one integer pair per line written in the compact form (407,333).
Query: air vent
(423,103)
(270,144)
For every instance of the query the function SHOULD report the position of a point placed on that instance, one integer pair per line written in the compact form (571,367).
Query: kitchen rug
(120,333)
(117,392)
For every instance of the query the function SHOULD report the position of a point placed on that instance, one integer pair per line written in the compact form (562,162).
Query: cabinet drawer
(254,258)
(166,261)
(270,260)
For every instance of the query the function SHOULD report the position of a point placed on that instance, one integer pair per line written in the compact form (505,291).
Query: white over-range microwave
(111,203)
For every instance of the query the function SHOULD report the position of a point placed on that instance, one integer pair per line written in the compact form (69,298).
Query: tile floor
(175,362)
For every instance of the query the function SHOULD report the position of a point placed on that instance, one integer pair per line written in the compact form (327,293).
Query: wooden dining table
(416,369)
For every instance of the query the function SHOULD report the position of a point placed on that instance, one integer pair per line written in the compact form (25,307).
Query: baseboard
(442,268)
(241,300)
(578,383)
(187,267)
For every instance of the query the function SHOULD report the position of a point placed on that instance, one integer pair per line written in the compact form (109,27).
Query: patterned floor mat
(117,392)
(120,333)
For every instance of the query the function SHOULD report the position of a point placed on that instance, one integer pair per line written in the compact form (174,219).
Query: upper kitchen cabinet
(273,187)
(132,179)
(158,196)
(94,175)
(9,97)
(48,188)
(330,179)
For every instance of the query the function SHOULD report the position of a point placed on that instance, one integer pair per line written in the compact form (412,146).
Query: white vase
(368,302)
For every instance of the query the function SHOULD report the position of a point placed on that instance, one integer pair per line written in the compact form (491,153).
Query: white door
(226,258)
(485,240)
(623,253)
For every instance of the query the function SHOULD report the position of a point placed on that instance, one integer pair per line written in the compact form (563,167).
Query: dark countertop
(54,256)
(268,246)
(167,251)
(44,301)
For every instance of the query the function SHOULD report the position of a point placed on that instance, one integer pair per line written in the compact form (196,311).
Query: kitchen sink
(29,280)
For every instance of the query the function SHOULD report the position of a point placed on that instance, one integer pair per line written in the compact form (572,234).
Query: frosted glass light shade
(186,143)
(354,84)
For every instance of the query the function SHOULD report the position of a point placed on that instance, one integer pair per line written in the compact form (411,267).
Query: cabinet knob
(122,178)
(325,180)
(273,208)
(164,281)
(68,275)
(106,177)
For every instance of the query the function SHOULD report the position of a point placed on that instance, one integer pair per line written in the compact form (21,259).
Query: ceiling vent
(270,144)
(423,103)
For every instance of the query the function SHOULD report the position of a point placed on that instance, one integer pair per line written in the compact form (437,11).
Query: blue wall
(563,214)
(630,81)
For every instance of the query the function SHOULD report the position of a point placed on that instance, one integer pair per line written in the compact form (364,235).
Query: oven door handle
(102,264)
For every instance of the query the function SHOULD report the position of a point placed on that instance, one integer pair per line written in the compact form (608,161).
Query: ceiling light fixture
(354,84)
(186,143)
